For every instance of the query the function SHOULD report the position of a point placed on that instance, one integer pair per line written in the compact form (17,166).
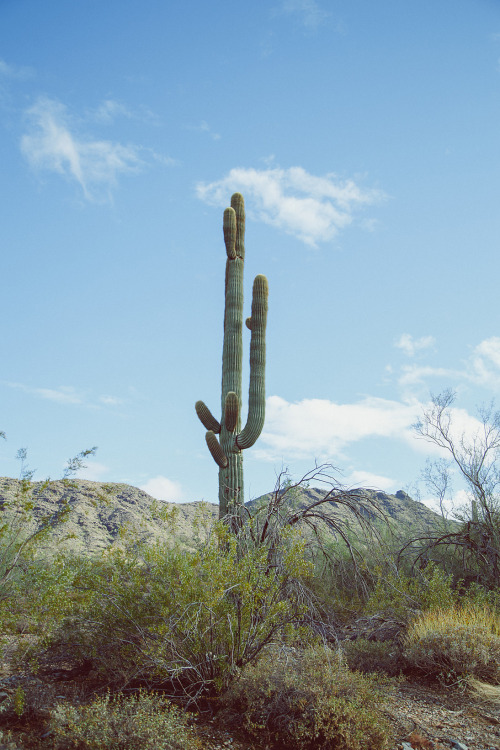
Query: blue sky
(365,139)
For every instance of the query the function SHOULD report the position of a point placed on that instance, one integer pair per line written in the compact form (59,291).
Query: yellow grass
(444,619)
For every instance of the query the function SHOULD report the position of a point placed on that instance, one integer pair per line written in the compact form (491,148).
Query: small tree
(477,458)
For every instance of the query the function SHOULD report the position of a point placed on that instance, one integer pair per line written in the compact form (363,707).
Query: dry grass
(483,691)
(455,643)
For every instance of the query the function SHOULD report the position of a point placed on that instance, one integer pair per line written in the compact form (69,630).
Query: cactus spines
(226,451)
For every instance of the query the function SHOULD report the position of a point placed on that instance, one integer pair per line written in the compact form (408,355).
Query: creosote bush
(145,721)
(184,620)
(455,643)
(307,699)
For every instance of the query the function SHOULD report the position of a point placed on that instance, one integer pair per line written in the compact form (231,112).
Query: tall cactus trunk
(227,450)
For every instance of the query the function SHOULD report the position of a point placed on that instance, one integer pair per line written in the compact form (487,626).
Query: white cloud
(410,345)
(415,374)
(162,488)
(14,71)
(94,471)
(51,145)
(308,11)
(485,363)
(311,208)
(321,429)
(368,479)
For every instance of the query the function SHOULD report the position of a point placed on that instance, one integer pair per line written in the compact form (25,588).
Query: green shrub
(185,618)
(145,721)
(373,656)
(455,643)
(397,593)
(307,700)
(477,596)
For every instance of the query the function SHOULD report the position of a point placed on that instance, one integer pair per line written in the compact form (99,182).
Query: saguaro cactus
(227,449)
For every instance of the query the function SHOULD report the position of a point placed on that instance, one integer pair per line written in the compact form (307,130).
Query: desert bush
(145,721)
(477,596)
(399,594)
(373,656)
(186,619)
(307,699)
(455,643)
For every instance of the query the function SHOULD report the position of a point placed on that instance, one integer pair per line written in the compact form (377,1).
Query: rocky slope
(100,512)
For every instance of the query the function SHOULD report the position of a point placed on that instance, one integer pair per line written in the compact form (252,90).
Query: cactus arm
(216,450)
(206,417)
(229,227)
(257,392)
(231,411)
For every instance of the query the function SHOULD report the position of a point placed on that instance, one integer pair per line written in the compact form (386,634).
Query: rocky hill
(99,513)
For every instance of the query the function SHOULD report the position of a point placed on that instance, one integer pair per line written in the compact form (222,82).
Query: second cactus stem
(225,439)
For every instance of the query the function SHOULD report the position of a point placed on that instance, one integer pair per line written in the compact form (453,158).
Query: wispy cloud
(411,346)
(110,401)
(485,363)
(14,71)
(482,367)
(416,374)
(53,145)
(204,127)
(308,12)
(162,488)
(66,395)
(312,208)
(322,429)
(109,110)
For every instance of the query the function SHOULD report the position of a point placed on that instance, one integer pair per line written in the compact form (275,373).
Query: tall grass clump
(454,643)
